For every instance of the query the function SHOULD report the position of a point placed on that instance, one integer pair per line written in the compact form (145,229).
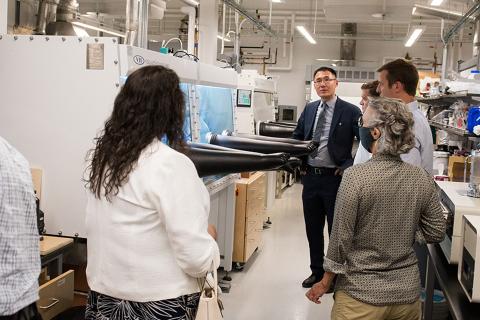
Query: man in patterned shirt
(382,206)
(19,248)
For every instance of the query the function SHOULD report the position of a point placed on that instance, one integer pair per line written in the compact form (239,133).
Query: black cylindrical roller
(285,124)
(270,129)
(273,139)
(212,162)
(263,146)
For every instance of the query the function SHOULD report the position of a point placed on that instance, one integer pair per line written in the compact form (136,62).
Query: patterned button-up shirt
(19,249)
(381,206)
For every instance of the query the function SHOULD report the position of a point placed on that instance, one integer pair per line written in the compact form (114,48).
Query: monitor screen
(288,115)
(244,98)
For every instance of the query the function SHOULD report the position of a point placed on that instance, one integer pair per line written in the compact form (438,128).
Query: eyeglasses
(321,80)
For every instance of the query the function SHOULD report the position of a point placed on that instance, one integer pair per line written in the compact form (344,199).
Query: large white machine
(456,203)
(58,91)
(255,101)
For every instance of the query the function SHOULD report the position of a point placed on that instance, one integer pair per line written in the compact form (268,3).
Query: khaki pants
(348,308)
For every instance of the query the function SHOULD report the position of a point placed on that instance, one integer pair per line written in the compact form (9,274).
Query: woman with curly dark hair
(147,212)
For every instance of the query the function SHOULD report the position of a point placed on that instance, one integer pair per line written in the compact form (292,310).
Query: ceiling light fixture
(277,1)
(436,2)
(306,34)
(90,27)
(413,35)
(413,10)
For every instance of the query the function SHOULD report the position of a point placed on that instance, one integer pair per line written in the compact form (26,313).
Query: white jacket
(151,242)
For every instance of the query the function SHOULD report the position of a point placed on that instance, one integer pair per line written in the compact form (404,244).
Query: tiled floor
(269,287)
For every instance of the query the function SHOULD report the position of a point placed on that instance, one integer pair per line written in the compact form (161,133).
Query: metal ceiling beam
(241,10)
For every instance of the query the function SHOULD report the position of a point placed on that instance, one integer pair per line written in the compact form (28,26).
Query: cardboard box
(37,181)
(456,169)
(247,174)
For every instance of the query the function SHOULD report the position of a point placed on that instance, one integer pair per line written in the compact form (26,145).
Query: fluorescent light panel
(306,34)
(413,10)
(90,27)
(436,2)
(414,35)
(277,1)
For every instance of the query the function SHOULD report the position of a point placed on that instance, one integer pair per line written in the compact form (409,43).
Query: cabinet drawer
(256,188)
(253,224)
(255,207)
(252,242)
(56,295)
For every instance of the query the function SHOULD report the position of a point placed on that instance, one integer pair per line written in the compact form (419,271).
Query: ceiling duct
(47,11)
(436,12)
(348,46)
(54,18)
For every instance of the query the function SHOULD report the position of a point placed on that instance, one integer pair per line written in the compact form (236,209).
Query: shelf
(448,100)
(453,130)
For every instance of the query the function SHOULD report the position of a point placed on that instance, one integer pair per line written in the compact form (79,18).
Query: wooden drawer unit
(249,208)
(56,295)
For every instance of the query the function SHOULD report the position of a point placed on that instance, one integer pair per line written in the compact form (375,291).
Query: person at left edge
(332,122)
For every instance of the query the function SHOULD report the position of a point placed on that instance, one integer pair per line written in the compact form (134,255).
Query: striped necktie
(320,123)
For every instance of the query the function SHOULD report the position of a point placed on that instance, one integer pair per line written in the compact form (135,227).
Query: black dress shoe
(310,281)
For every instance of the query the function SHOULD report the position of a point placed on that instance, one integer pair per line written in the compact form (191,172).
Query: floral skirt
(103,307)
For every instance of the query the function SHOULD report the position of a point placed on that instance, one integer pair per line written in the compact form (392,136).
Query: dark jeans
(319,194)
(28,313)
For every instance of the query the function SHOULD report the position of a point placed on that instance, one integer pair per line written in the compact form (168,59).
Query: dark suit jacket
(343,129)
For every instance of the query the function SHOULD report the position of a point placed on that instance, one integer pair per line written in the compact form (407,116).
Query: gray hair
(395,122)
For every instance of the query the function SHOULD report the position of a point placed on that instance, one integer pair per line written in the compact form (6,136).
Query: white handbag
(209,306)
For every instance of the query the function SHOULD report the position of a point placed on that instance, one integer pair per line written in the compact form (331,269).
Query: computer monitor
(287,113)
(244,98)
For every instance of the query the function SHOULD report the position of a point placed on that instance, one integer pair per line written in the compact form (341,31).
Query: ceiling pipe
(143,23)
(476,38)
(285,32)
(131,23)
(191,27)
(241,10)
(290,59)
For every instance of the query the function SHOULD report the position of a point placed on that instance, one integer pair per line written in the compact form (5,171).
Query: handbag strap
(214,286)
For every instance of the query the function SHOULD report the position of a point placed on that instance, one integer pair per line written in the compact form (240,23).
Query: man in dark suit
(331,122)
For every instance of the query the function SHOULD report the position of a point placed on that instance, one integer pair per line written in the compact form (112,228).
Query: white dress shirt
(151,242)
(362,154)
(19,249)
(421,154)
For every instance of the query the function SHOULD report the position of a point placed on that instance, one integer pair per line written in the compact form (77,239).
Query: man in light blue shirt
(399,79)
